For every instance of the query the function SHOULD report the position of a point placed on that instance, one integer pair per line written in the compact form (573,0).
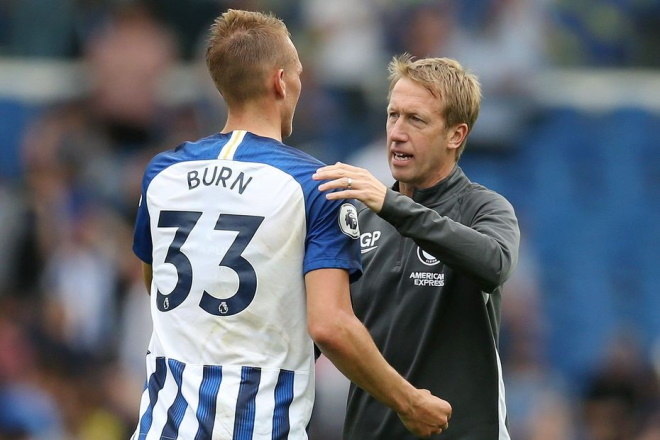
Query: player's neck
(257,119)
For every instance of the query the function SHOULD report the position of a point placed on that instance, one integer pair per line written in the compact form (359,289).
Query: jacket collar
(441,191)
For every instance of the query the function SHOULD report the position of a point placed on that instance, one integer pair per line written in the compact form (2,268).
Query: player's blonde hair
(446,79)
(243,46)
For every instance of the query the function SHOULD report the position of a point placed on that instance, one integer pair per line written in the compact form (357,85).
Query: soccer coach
(436,250)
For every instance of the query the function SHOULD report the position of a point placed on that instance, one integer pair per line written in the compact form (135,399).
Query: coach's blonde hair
(243,47)
(444,78)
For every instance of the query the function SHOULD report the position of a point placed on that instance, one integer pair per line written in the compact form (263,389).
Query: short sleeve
(332,236)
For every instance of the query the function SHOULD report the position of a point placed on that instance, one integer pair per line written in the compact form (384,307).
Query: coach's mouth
(399,157)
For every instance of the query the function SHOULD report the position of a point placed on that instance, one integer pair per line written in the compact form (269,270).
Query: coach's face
(293,87)
(421,149)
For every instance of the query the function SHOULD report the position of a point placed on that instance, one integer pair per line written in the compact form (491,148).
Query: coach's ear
(456,135)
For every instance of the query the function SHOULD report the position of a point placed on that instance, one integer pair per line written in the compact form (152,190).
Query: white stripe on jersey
(231,146)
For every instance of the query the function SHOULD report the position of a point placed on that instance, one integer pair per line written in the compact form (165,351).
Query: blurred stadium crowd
(581,317)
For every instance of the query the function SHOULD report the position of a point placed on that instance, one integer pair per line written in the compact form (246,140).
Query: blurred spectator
(11,229)
(501,41)
(81,281)
(134,330)
(15,115)
(79,176)
(614,33)
(125,379)
(41,28)
(346,54)
(646,44)
(423,29)
(188,20)
(373,157)
(127,59)
(539,406)
(312,131)
(650,429)
(83,162)
(621,396)
(506,48)
(27,410)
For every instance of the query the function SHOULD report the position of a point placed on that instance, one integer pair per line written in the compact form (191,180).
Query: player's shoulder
(200,149)
(293,161)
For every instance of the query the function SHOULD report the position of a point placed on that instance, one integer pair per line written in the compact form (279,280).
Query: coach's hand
(352,183)
(426,415)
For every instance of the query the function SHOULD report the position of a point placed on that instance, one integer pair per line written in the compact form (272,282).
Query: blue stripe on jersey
(283,399)
(178,408)
(156,383)
(245,403)
(208,395)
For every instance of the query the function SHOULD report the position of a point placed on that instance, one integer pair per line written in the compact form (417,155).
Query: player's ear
(279,84)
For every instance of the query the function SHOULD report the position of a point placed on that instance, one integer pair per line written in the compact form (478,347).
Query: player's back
(226,231)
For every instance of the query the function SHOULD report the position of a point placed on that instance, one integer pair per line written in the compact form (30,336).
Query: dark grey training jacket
(434,266)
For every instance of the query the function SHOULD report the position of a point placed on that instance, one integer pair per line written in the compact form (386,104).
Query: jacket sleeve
(485,250)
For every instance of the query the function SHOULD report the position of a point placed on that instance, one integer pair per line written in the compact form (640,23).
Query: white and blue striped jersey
(230,224)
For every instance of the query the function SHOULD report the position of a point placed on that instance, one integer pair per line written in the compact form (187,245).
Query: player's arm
(346,342)
(147,273)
